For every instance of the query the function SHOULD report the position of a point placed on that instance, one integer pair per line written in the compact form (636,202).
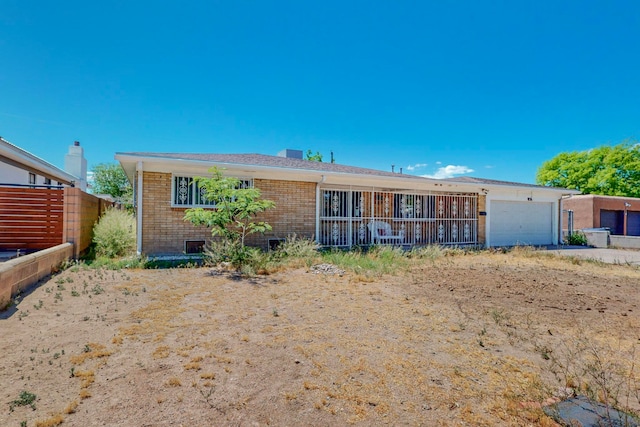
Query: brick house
(339,205)
(621,215)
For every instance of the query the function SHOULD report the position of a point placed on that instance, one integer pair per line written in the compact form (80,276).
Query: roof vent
(291,154)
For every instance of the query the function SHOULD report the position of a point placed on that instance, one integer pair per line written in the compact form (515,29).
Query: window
(32,178)
(186,193)
(194,246)
(47,181)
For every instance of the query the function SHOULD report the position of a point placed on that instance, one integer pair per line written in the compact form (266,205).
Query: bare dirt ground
(476,339)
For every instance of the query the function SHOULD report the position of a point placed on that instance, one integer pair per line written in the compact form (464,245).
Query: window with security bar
(187,193)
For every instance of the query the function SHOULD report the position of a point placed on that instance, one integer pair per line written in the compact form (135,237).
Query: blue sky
(441,88)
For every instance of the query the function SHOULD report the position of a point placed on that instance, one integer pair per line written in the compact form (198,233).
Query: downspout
(487,222)
(322,180)
(139,209)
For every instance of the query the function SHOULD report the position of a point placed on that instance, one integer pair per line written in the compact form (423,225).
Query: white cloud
(416,166)
(449,171)
(438,163)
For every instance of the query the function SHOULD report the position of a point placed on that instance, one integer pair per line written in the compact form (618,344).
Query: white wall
(525,195)
(13,175)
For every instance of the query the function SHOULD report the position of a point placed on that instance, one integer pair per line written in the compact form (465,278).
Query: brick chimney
(76,165)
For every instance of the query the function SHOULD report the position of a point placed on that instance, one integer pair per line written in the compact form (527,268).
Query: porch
(359,217)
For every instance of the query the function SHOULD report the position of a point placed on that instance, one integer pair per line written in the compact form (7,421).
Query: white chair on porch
(383,233)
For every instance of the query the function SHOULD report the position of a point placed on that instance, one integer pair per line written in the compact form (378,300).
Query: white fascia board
(536,194)
(399,182)
(32,162)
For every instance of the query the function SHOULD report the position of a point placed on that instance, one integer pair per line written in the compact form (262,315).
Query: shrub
(226,251)
(577,238)
(115,234)
(296,247)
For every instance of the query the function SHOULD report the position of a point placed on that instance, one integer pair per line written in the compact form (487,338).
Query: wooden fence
(31,218)
(40,218)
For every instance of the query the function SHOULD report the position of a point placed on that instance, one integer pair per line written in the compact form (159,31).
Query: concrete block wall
(165,231)
(81,212)
(626,242)
(19,273)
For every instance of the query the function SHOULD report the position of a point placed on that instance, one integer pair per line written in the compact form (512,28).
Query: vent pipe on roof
(393,167)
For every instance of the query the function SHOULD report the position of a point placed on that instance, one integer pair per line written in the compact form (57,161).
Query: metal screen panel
(357,217)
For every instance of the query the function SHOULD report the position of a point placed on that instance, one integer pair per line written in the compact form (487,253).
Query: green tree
(235,209)
(313,157)
(109,178)
(610,170)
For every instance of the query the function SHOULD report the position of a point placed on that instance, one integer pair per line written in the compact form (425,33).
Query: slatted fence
(31,218)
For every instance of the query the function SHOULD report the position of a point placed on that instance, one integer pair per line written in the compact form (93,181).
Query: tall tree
(607,170)
(109,178)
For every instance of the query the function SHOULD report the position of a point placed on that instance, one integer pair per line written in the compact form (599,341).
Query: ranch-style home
(339,205)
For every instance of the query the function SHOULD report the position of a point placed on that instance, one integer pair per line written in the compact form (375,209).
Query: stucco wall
(10,174)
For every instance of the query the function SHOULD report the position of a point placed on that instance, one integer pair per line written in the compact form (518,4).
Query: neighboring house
(621,215)
(21,168)
(338,205)
(39,208)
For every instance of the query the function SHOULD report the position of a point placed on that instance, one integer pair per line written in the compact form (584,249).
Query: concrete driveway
(611,256)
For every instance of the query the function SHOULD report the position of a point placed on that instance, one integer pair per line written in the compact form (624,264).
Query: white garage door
(520,223)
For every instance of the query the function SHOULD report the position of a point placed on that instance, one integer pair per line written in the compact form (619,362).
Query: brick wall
(163,228)
(165,231)
(586,208)
(295,211)
(584,214)
(482,220)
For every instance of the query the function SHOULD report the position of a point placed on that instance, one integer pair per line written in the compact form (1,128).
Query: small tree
(235,209)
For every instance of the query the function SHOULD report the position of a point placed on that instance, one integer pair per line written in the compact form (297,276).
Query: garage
(520,223)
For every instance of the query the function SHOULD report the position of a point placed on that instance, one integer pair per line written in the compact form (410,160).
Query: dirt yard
(479,339)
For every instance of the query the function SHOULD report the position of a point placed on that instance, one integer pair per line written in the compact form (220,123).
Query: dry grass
(174,382)
(71,407)
(54,420)
(442,338)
